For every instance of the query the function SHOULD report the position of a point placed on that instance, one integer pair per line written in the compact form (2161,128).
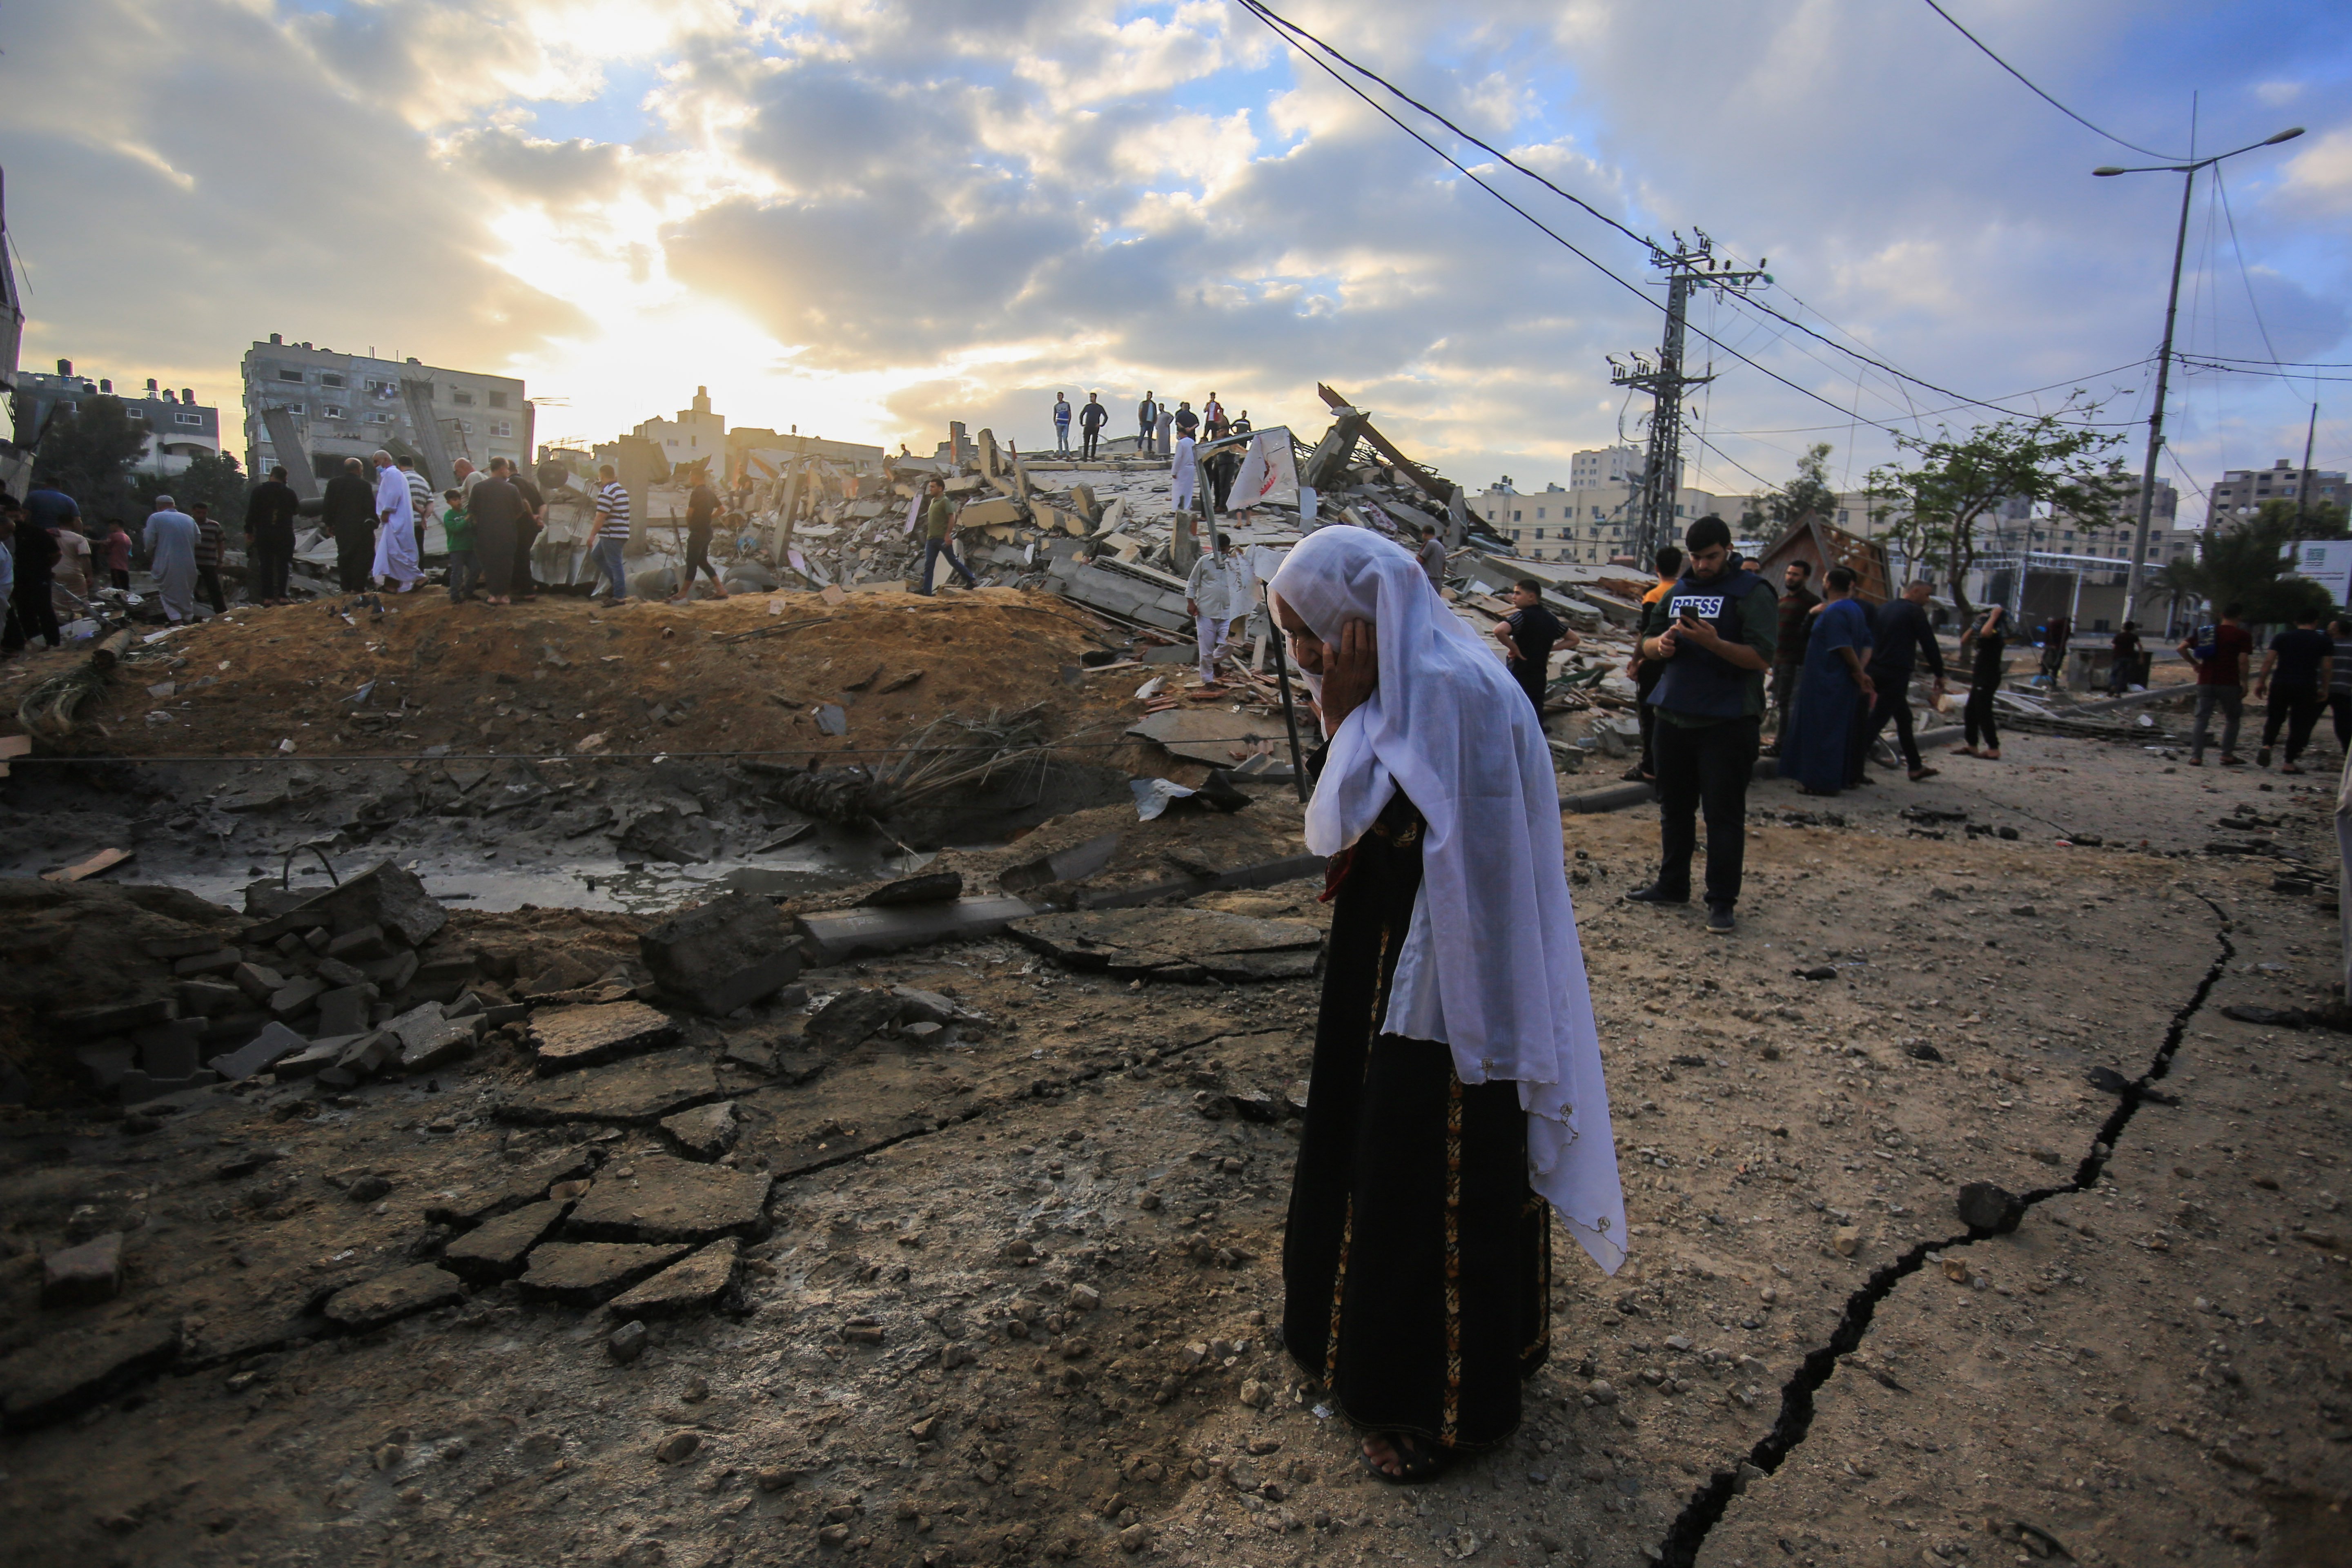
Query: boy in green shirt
(465,570)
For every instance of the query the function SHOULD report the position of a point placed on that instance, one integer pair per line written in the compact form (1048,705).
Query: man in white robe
(1184,473)
(395,539)
(171,556)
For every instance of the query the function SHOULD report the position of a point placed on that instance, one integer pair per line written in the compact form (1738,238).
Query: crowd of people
(1158,428)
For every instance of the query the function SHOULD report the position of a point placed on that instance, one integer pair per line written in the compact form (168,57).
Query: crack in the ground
(1706,1506)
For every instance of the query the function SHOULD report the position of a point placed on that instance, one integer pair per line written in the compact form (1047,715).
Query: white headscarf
(1506,990)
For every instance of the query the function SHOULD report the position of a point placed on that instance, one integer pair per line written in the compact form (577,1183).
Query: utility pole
(2302,480)
(2188,172)
(1689,266)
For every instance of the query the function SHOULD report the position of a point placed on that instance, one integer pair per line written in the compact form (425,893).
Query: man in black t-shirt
(701,521)
(1529,635)
(2295,675)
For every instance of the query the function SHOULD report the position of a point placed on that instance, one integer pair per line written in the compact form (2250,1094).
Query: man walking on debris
(2054,638)
(1715,632)
(2220,658)
(939,522)
(1147,418)
(395,539)
(701,519)
(1530,634)
(1214,597)
(1062,424)
(269,512)
(349,514)
(1457,1100)
(171,556)
(1900,626)
(611,534)
(211,539)
(2295,674)
(1090,423)
(1788,663)
(1431,556)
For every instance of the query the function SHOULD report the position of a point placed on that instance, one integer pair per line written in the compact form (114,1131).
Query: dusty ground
(2149,1369)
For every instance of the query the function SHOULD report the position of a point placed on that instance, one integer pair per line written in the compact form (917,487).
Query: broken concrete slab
(583,1273)
(930,888)
(920,1006)
(1075,864)
(638,1091)
(1174,944)
(388,1298)
(853,1016)
(565,1038)
(675,1200)
(83,1276)
(65,1374)
(706,1131)
(438,1043)
(839,935)
(728,953)
(384,896)
(495,1250)
(484,1204)
(344,1011)
(692,1284)
(263,1052)
(116,1017)
(673,838)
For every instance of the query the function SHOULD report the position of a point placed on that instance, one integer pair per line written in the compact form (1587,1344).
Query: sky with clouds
(869,216)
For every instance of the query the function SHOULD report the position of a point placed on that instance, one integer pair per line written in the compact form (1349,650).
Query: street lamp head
(2287,135)
(2104,170)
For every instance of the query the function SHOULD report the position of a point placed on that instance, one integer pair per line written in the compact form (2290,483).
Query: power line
(1980,43)
(1281,25)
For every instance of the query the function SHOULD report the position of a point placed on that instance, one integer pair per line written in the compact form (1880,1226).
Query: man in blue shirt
(1062,424)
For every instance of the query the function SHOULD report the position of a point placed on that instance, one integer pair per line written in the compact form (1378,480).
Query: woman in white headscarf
(1457,1101)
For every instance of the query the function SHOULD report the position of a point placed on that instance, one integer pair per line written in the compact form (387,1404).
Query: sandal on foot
(1417,1462)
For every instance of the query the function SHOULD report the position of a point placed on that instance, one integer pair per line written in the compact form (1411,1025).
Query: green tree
(1810,494)
(1955,482)
(2245,565)
(88,453)
(213,478)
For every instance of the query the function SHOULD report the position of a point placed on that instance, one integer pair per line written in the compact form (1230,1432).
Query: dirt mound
(372,675)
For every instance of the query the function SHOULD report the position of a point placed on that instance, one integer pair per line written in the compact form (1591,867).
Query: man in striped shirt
(611,531)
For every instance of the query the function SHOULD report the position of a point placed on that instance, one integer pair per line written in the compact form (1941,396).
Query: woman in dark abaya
(1457,1101)
(1823,749)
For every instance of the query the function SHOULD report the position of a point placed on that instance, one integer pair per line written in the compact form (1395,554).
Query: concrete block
(116,1017)
(724,955)
(266,1050)
(83,1276)
(216,961)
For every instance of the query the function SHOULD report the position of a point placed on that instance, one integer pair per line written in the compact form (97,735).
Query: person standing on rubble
(1147,419)
(938,524)
(458,530)
(1187,424)
(1214,597)
(1431,556)
(701,519)
(494,512)
(1990,658)
(211,539)
(1456,1100)
(1182,473)
(527,527)
(2123,662)
(1090,423)
(270,509)
(171,557)
(1212,414)
(1819,750)
(1645,672)
(395,539)
(2220,654)
(1062,424)
(612,533)
(1789,664)
(116,543)
(349,513)
(420,496)
(33,611)
(2294,677)
(1720,630)
(1531,635)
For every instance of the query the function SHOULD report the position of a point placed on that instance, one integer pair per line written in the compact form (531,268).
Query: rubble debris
(841,934)
(583,1273)
(724,955)
(496,1249)
(1075,864)
(1179,945)
(566,1038)
(104,860)
(636,1092)
(66,1374)
(674,1200)
(1986,1206)
(694,1282)
(705,1132)
(83,1276)
(388,1298)
(931,888)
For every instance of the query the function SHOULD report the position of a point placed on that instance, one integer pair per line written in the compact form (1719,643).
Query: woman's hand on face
(1352,668)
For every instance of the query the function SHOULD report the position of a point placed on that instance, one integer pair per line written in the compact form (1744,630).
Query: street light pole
(2188,172)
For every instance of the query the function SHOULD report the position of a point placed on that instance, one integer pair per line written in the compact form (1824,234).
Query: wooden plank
(105,860)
